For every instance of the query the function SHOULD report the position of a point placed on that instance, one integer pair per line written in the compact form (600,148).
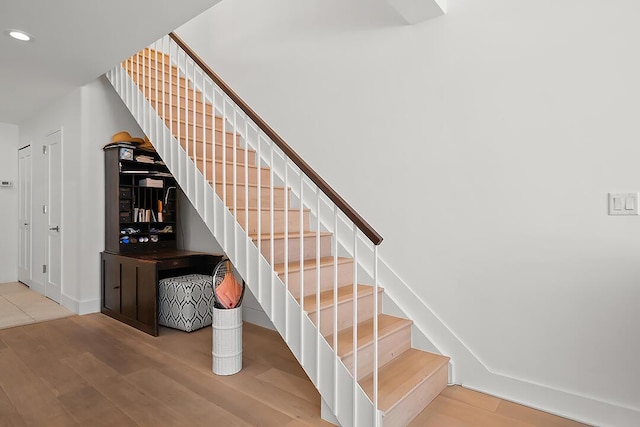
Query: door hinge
(44,268)
(44,209)
(44,149)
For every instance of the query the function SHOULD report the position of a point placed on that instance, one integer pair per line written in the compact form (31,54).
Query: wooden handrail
(368,231)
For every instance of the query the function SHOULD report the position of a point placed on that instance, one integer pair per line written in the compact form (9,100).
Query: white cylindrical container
(227,341)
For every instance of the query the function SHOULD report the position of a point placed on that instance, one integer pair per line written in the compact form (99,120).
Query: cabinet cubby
(140,202)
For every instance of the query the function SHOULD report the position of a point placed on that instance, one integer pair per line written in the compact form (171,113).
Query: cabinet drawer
(125,205)
(182,262)
(125,193)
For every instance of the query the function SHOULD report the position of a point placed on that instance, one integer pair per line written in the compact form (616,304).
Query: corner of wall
(470,372)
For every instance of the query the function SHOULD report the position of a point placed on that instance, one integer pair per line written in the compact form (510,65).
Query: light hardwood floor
(94,371)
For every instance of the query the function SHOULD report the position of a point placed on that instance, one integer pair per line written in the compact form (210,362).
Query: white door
(24,190)
(53,212)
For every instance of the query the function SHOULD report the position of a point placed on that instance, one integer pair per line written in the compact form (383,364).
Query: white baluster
(214,138)
(246,190)
(194,145)
(271,239)
(156,107)
(235,176)
(286,245)
(355,325)
(224,166)
(170,107)
(137,103)
(179,114)
(335,310)
(375,335)
(259,212)
(205,207)
(148,112)
(301,286)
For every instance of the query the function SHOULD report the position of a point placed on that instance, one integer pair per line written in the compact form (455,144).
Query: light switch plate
(623,204)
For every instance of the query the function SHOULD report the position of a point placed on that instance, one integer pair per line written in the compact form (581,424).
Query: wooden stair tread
(403,374)
(250,151)
(189,125)
(242,185)
(266,209)
(310,264)
(184,110)
(230,163)
(292,234)
(189,121)
(387,325)
(345,293)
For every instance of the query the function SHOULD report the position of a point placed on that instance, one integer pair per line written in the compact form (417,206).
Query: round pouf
(227,341)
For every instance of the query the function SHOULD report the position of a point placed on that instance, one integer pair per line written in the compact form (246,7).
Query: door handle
(26,223)
(56,228)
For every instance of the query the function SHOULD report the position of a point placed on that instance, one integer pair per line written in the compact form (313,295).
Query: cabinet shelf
(133,204)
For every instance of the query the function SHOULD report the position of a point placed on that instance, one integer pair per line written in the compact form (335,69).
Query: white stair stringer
(345,397)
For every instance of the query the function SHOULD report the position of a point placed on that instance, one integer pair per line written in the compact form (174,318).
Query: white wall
(105,115)
(64,115)
(88,117)
(9,203)
(481,145)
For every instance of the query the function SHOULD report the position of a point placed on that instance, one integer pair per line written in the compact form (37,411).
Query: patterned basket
(227,341)
(185,302)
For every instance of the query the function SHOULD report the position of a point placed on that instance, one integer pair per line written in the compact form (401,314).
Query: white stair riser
(388,347)
(345,277)
(345,313)
(294,249)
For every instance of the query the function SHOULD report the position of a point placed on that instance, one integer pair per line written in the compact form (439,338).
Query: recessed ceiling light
(19,35)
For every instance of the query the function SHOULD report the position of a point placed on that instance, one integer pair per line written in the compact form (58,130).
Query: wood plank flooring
(94,371)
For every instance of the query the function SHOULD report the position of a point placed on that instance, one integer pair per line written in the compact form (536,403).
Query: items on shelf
(150,182)
(143,158)
(124,139)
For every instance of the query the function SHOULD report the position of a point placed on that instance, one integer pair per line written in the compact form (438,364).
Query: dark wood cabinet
(130,282)
(141,219)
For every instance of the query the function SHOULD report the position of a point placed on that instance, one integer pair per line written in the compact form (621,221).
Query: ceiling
(75,41)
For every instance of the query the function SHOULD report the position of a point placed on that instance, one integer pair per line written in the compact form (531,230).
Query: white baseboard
(36,287)
(8,278)
(80,307)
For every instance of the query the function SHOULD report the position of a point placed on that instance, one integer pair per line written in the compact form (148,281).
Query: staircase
(309,264)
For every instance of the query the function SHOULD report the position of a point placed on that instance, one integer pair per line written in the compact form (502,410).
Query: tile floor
(19,305)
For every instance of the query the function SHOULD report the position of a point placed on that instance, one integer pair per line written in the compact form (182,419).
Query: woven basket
(227,341)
